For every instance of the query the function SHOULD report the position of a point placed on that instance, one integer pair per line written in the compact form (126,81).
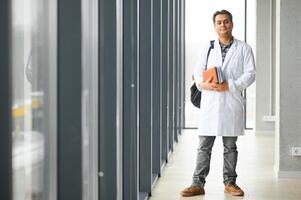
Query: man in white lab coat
(222,105)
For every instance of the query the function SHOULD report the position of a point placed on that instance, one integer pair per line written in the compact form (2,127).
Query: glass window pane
(33,79)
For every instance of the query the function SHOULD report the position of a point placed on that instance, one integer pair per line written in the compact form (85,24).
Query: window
(33,58)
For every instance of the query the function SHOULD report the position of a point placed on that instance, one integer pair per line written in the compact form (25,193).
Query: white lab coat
(221,113)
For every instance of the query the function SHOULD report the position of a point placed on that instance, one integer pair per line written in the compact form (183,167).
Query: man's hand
(222,87)
(207,85)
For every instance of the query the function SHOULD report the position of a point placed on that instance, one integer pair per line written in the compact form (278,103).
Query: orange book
(211,72)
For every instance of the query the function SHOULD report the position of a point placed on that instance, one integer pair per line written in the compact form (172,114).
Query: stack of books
(216,73)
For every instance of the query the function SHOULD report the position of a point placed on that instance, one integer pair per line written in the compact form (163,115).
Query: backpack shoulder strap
(211,47)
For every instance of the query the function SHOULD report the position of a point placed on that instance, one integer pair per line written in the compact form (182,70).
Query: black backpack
(195,94)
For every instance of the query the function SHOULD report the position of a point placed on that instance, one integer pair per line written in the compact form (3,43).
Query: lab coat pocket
(240,98)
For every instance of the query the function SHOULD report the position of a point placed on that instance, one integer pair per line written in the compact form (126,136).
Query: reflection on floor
(254,169)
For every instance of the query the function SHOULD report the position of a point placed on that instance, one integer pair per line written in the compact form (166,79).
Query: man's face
(223,25)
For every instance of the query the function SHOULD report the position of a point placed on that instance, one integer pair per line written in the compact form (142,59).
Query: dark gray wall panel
(5,108)
(107,99)
(156,146)
(130,131)
(164,79)
(69,100)
(145,94)
(170,74)
(180,80)
(176,71)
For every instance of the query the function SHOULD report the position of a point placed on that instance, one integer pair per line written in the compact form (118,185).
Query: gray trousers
(204,156)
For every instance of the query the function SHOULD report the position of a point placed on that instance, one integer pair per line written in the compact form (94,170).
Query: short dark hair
(222,12)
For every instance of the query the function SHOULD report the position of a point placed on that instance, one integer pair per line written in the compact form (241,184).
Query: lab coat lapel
(229,54)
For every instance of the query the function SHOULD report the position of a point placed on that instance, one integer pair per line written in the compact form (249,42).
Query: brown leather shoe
(192,191)
(233,189)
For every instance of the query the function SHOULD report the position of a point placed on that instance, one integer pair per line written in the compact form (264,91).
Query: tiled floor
(254,169)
